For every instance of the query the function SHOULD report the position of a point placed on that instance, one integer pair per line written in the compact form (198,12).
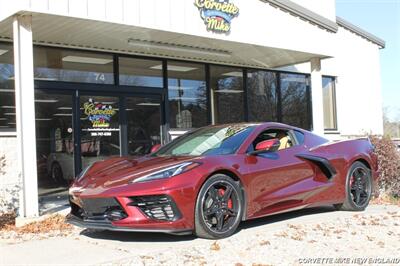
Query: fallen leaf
(215,246)
(264,243)
(281,234)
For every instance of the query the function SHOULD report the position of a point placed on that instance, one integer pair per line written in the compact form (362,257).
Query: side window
(299,137)
(281,134)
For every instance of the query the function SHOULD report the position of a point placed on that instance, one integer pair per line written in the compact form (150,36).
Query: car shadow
(284,216)
(161,237)
(135,236)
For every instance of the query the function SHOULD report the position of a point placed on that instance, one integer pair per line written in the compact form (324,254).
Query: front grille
(158,207)
(98,209)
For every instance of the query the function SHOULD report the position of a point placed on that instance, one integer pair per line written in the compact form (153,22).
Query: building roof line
(304,13)
(359,31)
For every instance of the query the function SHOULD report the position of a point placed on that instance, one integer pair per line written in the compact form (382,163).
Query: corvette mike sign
(217,14)
(100,116)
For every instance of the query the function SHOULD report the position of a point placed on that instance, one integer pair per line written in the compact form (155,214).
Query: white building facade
(81,80)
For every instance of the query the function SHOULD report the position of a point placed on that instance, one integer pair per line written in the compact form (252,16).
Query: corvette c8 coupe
(209,180)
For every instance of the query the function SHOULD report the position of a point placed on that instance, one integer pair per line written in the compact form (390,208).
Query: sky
(381,18)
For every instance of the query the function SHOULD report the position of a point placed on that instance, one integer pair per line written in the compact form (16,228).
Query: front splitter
(107,225)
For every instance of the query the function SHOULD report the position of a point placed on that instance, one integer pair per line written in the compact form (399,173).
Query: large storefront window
(261,91)
(328,89)
(7,94)
(143,121)
(226,94)
(187,95)
(53,64)
(295,100)
(54,139)
(140,72)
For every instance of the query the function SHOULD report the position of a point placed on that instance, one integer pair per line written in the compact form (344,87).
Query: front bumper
(165,205)
(107,225)
(151,213)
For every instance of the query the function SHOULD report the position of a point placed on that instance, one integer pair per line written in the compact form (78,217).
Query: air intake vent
(98,209)
(161,207)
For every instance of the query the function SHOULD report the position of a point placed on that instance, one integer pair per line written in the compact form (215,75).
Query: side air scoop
(323,164)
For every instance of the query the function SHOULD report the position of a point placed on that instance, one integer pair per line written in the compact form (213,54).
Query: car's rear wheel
(219,207)
(358,188)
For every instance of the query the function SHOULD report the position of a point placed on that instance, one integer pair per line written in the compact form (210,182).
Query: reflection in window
(187,95)
(226,94)
(54,138)
(140,72)
(7,94)
(143,123)
(328,90)
(65,65)
(295,107)
(261,90)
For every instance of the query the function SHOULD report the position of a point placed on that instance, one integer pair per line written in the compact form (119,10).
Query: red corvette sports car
(209,180)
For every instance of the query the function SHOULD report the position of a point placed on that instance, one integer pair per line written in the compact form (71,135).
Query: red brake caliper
(221,192)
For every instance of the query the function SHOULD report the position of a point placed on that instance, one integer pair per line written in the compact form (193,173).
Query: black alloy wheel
(358,188)
(219,207)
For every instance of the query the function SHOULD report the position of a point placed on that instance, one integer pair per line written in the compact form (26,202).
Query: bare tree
(391,128)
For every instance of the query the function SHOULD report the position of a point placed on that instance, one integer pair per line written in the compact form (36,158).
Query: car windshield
(216,140)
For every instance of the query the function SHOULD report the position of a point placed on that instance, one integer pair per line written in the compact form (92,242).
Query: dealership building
(82,80)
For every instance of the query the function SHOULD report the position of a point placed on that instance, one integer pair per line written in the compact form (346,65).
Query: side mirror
(155,148)
(271,145)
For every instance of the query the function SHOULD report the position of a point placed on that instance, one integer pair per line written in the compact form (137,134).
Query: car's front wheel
(219,207)
(358,188)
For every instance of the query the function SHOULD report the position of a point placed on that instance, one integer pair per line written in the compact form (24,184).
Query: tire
(358,184)
(56,174)
(218,216)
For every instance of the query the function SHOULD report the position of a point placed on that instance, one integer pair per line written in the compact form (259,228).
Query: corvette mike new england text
(349,260)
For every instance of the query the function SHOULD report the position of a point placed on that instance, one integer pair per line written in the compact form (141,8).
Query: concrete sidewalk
(87,247)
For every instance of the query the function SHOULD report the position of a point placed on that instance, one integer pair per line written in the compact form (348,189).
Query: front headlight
(168,172)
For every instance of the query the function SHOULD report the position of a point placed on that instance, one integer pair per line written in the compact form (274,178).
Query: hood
(119,171)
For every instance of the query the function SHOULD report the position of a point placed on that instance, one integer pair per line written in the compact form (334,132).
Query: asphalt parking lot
(294,238)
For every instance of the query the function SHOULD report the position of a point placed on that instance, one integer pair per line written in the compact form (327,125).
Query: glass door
(54,140)
(112,125)
(99,128)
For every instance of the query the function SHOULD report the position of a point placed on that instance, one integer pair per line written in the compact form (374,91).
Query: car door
(278,180)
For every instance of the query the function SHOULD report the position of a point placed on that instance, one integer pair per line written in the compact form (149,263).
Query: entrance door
(75,131)
(112,125)
(99,128)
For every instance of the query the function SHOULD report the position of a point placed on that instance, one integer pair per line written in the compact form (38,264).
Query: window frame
(40,84)
(213,113)
(334,108)
(290,133)
(168,79)
(278,99)
(308,99)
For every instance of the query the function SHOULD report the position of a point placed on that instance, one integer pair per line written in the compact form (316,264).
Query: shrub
(388,164)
